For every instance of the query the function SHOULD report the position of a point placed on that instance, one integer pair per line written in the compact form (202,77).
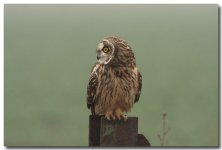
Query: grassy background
(50,49)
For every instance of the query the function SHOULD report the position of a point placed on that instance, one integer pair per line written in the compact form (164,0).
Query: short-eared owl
(115,82)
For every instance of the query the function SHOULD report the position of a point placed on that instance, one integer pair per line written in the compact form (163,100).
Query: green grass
(50,49)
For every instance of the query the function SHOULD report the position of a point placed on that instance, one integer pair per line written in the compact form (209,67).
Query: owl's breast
(116,89)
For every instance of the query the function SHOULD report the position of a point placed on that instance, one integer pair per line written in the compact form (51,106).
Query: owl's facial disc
(105,51)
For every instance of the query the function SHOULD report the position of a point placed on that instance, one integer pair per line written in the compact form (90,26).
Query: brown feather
(115,86)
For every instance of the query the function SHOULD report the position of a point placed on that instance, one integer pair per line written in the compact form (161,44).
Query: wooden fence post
(117,133)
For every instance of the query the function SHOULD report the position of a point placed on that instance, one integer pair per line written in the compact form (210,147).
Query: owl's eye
(105,49)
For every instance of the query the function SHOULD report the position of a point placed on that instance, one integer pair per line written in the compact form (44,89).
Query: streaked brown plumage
(115,82)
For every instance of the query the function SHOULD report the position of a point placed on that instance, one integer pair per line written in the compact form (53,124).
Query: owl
(115,82)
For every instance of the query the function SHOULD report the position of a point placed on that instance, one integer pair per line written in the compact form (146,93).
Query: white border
(75,2)
(1,76)
(112,1)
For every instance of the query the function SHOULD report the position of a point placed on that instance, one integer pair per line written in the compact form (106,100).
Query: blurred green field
(50,49)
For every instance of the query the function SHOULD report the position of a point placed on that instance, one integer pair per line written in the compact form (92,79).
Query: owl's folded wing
(91,90)
(139,77)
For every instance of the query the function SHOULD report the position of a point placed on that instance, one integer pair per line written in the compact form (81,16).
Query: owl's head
(114,51)
(105,51)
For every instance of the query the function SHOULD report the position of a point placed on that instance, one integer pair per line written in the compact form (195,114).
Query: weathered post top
(103,132)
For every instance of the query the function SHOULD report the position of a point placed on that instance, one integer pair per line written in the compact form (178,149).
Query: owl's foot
(109,115)
(120,115)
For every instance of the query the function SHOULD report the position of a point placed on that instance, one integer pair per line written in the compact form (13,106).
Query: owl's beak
(98,57)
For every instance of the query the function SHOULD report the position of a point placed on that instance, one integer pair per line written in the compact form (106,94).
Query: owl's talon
(107,117)
(119,114)
(112,116)
(124,117)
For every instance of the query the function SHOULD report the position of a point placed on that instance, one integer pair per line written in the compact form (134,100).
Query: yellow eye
(105,49)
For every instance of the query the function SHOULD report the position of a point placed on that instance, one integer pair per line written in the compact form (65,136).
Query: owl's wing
(139,77)
(91,89)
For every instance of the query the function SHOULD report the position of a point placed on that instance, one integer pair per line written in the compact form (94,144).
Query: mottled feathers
(115,83)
